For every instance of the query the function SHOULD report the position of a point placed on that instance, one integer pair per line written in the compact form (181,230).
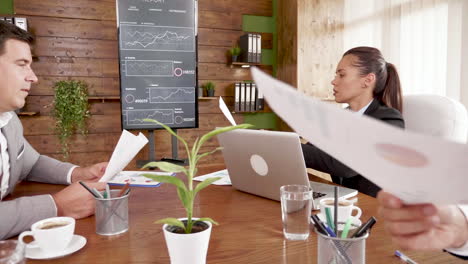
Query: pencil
(124,189)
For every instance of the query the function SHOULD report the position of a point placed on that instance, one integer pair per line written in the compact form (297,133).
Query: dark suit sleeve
(319,160)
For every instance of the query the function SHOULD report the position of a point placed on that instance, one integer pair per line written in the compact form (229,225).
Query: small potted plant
(235,52)
(187,238)
(70,111)
(209,88)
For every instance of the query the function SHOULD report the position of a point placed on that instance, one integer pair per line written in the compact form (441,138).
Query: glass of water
(296,205)
(12,252)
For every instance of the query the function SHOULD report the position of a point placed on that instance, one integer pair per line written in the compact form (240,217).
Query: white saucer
(76,244)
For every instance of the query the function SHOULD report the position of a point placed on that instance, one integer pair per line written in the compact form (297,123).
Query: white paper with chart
(414,167)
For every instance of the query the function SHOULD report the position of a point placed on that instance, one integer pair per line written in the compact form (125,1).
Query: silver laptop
(260,162)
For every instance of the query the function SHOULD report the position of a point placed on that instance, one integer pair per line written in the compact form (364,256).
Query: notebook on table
(260,162)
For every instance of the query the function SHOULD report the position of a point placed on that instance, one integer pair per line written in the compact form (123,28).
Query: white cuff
(70,174)
(55,206)
(463,250)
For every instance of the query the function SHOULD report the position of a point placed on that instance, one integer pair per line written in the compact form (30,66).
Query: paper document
(136,179)
(415,167)
(226,112)
(225,180)
(127,148)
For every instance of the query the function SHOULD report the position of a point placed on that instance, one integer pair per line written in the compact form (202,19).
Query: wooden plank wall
(78,40)
(310,44)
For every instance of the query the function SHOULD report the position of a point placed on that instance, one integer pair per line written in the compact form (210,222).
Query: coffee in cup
(340,202)
(50,225)
(51,234)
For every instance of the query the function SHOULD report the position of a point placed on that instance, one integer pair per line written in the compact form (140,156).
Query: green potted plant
(209,88)
(235,52)
(187,238)
(70,111)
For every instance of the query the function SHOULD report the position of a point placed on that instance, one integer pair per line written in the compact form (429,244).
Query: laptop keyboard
(317,195)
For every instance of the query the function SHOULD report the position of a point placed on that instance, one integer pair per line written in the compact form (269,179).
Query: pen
(319,225)
(336,210)
(108,192)
(329,217)
(87,188)
(346,227)
(99,195)
(365,227)
(404,257)
(330,231)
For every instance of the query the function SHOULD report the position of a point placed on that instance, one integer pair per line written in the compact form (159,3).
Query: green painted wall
(258,24)
(267,25)
(6,7)
(262,120)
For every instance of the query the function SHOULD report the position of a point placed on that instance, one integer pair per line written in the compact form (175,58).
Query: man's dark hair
(10,31)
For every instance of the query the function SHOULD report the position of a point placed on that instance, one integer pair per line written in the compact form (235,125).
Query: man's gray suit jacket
(26,164)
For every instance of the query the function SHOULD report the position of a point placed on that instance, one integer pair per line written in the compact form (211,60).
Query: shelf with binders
(247,98)
(249,51)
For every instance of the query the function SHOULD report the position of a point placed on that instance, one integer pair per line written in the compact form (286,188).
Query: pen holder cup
(112,214)
(339,250)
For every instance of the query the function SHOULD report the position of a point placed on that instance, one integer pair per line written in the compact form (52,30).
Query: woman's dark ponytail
(387,84)
(392,91)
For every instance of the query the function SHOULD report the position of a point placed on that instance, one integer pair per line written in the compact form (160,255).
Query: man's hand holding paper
(128,146)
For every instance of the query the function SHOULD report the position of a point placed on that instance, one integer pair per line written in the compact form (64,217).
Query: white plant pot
(188,248)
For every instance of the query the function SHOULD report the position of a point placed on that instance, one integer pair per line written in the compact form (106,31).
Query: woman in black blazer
(370,86)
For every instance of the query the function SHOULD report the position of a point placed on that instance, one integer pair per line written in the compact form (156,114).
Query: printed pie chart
(402,156)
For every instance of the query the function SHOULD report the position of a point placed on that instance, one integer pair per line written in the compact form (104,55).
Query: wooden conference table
(250,230)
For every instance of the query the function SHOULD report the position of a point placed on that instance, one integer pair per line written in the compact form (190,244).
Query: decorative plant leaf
(207,153)
(204,184)
(171,221)
(184,196)
(194,147)
(167,179)
(207,219)
(166,166)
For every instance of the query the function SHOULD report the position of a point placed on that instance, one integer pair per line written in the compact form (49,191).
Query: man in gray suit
(19,161)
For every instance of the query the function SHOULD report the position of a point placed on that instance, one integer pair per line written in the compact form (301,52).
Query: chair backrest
(436,115)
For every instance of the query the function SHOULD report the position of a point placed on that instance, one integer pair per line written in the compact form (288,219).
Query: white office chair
(436,115)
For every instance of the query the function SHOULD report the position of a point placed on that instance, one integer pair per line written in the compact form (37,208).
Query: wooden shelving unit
(27,113)
(247,64)
(208,98)
(104,98)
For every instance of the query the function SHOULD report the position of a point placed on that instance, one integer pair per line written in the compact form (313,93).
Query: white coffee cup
(345,209)
(51,234)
